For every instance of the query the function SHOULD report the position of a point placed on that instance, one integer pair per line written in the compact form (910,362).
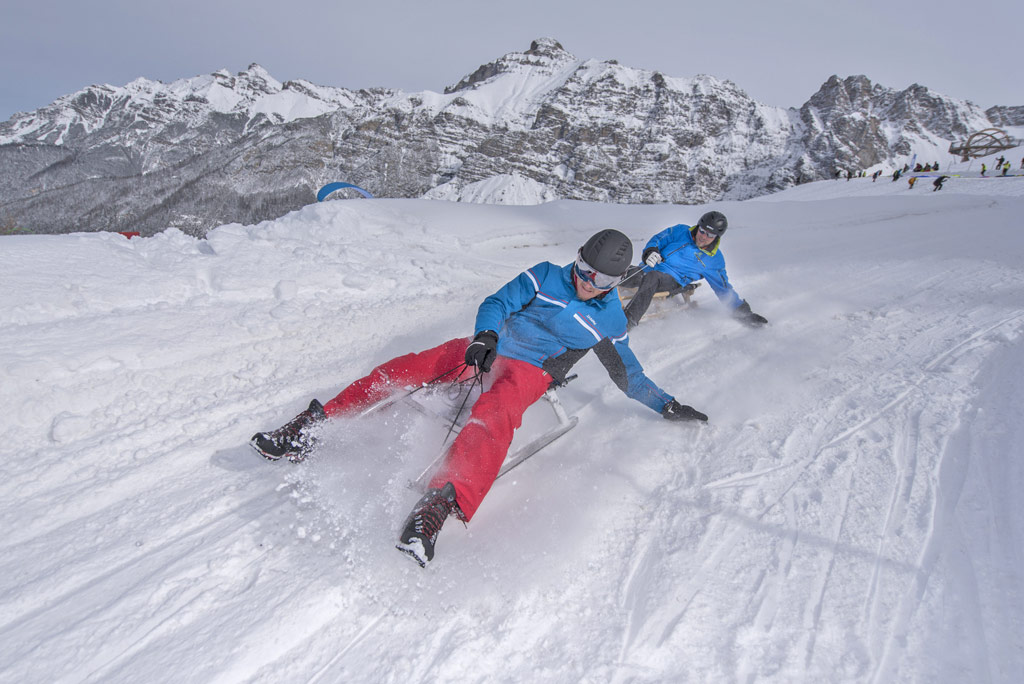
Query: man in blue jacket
(528,334)
(684,254)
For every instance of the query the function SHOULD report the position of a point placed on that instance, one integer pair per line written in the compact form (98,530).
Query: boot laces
(431,517)
(292,432)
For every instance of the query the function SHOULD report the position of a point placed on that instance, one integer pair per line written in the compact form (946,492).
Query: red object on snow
(129,233)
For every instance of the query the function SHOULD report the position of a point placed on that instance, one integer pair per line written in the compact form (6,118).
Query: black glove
(673,410)
(748,317)
(482,351)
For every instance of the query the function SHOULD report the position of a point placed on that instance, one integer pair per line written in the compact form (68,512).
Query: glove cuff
(486,334)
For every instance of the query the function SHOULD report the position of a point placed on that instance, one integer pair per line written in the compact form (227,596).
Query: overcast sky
(778,52)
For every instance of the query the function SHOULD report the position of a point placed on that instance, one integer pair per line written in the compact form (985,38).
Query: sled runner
(626,295)
(449,403)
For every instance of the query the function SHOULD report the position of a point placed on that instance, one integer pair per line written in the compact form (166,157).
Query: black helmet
(714,222)
(607,253)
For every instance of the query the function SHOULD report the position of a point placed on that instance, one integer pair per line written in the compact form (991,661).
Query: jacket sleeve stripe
(533,279)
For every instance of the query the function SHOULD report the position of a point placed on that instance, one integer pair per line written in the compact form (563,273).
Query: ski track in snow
(901,416)
(849,508)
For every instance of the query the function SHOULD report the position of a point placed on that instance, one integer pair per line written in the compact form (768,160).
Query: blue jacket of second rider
(686,262)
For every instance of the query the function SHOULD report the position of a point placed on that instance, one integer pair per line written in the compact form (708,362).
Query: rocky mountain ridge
(529,127)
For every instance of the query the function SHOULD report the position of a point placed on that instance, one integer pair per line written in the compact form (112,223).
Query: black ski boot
(425,522)
(295,440)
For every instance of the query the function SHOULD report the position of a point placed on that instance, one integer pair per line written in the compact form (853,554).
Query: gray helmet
(714,222)
(608,251)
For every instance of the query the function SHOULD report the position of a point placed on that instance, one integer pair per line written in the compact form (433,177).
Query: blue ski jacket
(686,262)
(540,320)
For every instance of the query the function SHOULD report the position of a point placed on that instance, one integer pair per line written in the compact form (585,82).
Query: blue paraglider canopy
(331,187)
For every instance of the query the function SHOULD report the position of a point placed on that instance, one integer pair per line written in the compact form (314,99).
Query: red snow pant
(475,457)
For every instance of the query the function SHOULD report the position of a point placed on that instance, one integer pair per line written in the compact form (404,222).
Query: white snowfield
(851,513)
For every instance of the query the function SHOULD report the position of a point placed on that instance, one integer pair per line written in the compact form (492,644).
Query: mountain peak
(542,51)
(259,79)
(546,47)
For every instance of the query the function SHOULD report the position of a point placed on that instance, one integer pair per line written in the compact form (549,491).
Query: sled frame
(516,458)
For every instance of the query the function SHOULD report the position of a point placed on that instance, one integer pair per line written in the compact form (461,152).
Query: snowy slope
(851,512)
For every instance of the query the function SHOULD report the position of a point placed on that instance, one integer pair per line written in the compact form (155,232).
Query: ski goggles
(602,281)
(706,232)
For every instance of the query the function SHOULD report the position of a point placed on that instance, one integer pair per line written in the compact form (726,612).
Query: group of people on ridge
(527,336)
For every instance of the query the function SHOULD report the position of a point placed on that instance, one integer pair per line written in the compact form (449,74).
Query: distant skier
(938,182)
(531,331)
(684,254)
(1006,168)
(911,181)
(983,169)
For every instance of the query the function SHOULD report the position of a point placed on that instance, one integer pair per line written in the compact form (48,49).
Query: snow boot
(425,522)
(296,439)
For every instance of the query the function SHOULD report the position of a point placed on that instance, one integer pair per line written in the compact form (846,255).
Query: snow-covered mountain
(529,127)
